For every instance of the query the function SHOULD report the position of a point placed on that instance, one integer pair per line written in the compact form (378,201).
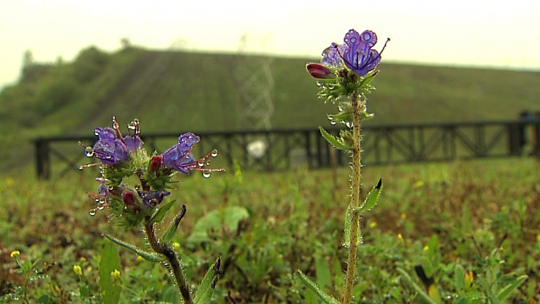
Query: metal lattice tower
(254,83)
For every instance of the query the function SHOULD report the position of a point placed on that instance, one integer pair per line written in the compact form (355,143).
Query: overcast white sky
(493,33)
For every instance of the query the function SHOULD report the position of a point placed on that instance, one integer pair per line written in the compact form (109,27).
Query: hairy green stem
(174,262)
(355,201)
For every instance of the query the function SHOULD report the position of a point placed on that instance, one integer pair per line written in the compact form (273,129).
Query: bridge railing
(285,149)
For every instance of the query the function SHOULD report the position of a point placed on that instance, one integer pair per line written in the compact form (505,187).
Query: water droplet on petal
(206,173)
(92,212)
(214,153)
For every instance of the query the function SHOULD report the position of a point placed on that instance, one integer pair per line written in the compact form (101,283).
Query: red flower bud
(155,163)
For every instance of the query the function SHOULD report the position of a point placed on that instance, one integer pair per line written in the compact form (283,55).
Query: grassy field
(481,216)
(180,91)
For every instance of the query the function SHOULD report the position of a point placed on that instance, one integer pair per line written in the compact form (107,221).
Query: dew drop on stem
(92,212)
(214,153)
(206,173)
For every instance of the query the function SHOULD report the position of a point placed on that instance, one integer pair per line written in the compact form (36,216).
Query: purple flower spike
(357,53)
(109,149)
(179,156)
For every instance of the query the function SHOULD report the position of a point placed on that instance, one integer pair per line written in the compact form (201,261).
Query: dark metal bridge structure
(288,149)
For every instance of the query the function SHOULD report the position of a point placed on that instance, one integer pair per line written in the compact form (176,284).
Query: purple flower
(109,149)
(133,143)
(357,52)
(331,56)
(152,198)
(112,148)
(179,156)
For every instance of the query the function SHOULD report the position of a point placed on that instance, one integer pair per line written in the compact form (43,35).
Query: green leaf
(324,277)
(110,262)
(347,229)
(227,217)
(459,277)
(372,198)
(323,296)
(418,289)
(145,255)
(368,78)
(208,284)
(173,226)
(160,214)
(506,291)
(336,142)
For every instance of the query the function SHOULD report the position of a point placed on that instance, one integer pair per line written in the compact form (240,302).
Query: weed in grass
(121,158)
(344,76)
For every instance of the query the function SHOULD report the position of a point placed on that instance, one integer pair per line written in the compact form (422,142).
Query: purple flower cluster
(112,148)
(356,54)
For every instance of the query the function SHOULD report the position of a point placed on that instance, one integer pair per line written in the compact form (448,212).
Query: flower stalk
(172,259)
(356,167)
(343,76)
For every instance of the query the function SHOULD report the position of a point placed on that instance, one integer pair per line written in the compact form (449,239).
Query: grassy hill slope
(180,91)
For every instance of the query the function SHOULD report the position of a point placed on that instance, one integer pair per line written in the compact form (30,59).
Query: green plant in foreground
(344,77)
(142,204)
(30,273)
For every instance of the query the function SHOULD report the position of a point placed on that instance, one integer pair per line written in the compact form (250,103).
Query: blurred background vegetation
(176,91)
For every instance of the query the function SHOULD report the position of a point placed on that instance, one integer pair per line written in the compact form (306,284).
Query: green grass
(442,216)
(179,91)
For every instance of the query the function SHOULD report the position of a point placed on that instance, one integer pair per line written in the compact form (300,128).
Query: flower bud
(155,163)
(319,71)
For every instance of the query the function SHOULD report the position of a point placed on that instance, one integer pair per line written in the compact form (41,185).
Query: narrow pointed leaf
(208,284)
(347,227)
(373,196)
(173,226)
(459,277)
(338,144)
(145,255)
(323,296)
(160,214)
(506,291)
(109,263)
(418,289)
(368,78)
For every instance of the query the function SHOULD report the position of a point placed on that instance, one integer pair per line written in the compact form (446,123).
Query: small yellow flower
(373,224)
(115,274)
(78,270)
(426,249)
(140,258)
(538,238)
(15,254)
(176,245)
(418,184)
(403,215)
(400,238)
(115,277)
